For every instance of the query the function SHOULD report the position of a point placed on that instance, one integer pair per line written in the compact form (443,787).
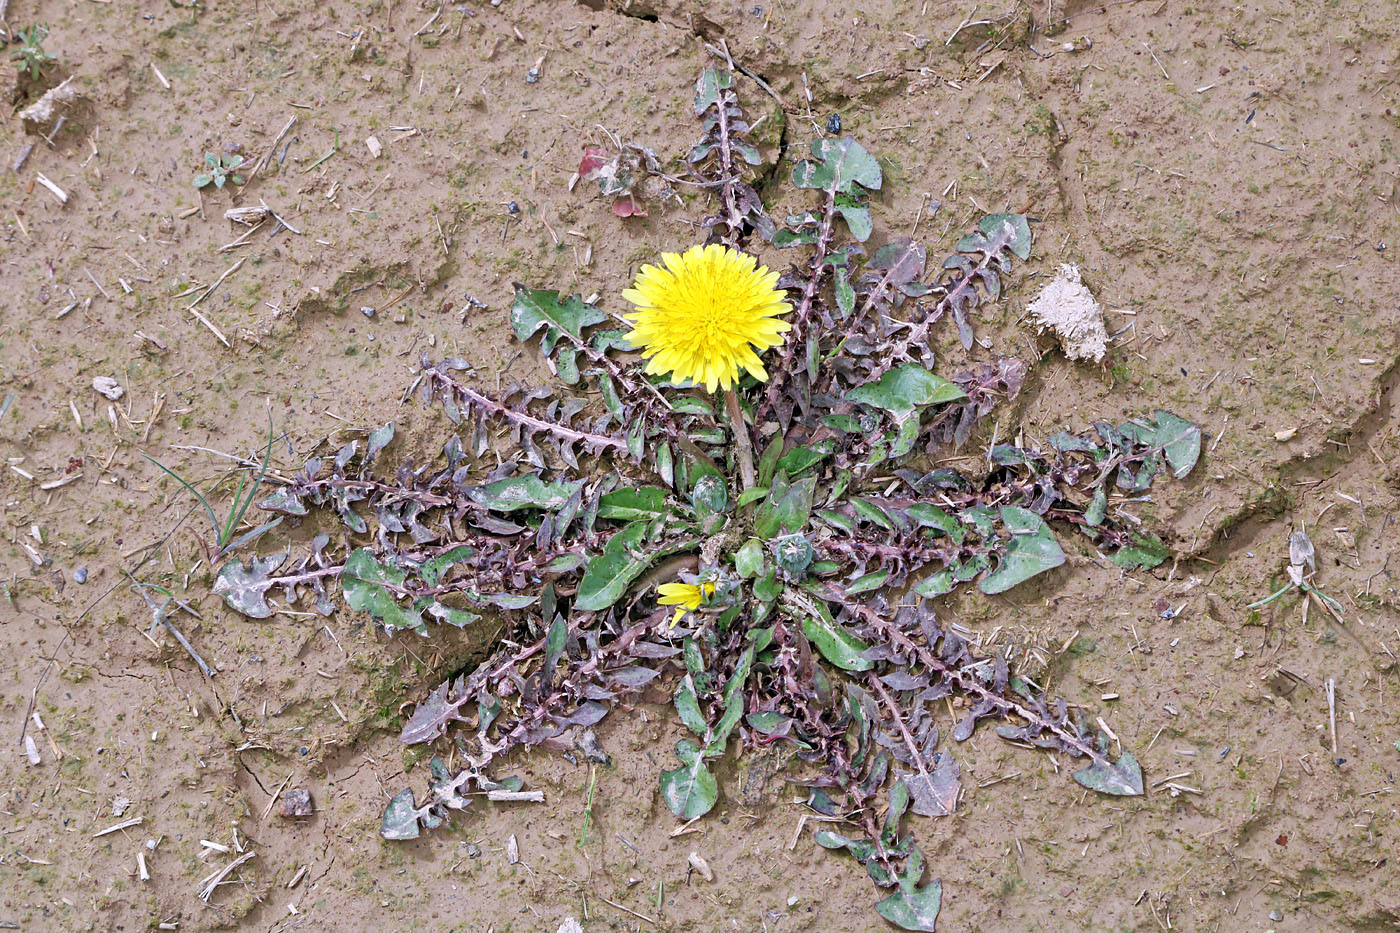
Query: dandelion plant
(620,526)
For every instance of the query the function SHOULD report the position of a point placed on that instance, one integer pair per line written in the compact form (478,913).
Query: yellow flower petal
(702,314)
(687,595)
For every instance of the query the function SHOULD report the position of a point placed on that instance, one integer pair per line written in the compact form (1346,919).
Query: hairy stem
(734,218)
(965,682)
(800,319)
(743,448)
(964,288)
(506,413)
(916,757)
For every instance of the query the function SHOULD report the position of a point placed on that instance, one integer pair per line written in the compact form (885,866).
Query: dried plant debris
(41,117)
(1067,309)
(628,173)
(788,598)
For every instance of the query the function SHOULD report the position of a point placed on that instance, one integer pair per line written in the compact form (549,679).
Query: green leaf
(688,705)
(1013,227)
(665,461)
(1180,440)
(637,438)
(690,405)
(838,520)
(1031,550)
(534,308)
(631,504)
(845,294)
(799,459)
(609,392)
(1145,551)
(786,239)
(850,424)
(434,569)
(767,587)
(522,492)
(936,584)
(750,496)
(835,642)
(1122,778)
(733,704)
(365,581)
(856,216)
(451,615)
(708,87)
(871,512)
(868,582)
(903,439)
(931,516)
(566,365)
(610,573)
(283,500)
(554,644)
(245,588)
(767,722)
(506,600)
(748,560)
(400,817)
(905,388)
(1094,514)
(840,165)
(913,908)
(862,849)
(690,790)
(787,508)
(378,440)
(981,518)
(564,563)
(768,463)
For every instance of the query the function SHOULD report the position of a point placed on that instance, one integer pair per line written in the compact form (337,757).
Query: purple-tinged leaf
(245,588)
(934,793)
(1121,778)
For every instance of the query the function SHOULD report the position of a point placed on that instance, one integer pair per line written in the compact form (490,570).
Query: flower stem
(742,444)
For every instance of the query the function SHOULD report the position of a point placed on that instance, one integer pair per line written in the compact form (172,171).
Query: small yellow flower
(702,316)
(684,596)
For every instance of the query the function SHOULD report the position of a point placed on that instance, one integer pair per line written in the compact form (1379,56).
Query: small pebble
(699,864)
(108,387)
(833,124)
(295,802)
(1276,915)
(80,575)
(367,311)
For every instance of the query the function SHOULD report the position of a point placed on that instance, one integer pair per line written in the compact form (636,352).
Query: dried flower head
(703,315)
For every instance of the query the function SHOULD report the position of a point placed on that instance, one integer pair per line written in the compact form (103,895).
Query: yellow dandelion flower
(684,596)
(702,316)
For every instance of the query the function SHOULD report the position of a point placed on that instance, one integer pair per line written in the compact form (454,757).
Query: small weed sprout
(224,540)
(30,54)
(220,170)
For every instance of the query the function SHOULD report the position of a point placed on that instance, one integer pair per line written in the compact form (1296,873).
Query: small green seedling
(1300,558)
(31,55)
(220,171)
(225,542)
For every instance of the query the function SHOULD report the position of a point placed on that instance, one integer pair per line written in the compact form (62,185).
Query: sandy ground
(1226,178)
